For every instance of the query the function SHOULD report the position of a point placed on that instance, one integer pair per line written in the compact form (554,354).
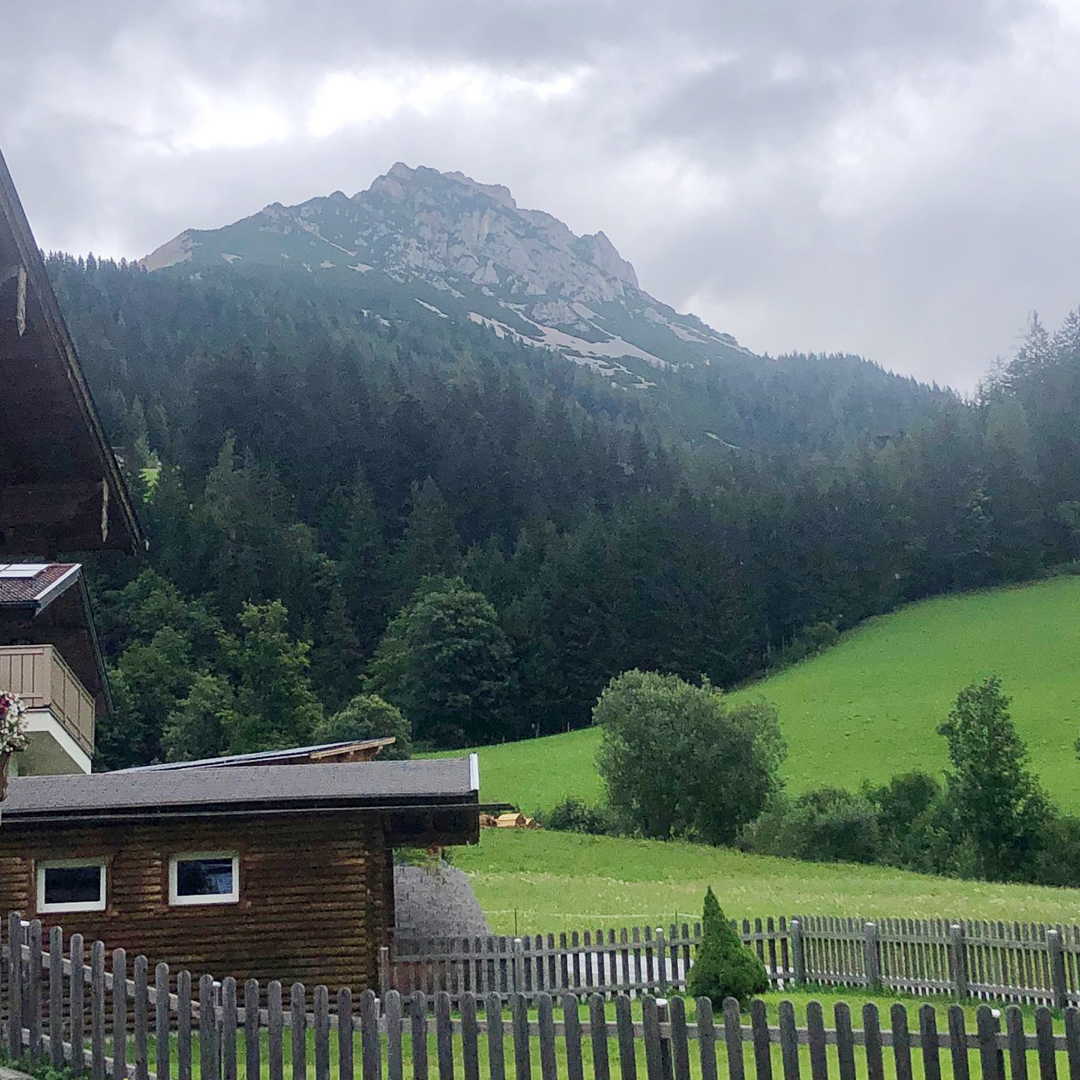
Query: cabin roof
(252,789)
(60,486)
(293,755)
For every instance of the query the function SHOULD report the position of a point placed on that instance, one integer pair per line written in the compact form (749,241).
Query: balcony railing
(39,675)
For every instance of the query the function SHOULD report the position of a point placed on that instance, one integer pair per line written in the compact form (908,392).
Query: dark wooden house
(267,871)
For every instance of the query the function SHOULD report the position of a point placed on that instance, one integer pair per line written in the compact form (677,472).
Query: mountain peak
(469,246)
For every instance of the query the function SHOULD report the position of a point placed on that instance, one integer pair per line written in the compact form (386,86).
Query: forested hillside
(305,469)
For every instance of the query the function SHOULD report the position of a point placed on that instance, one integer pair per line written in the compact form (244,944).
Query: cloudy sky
(897,178)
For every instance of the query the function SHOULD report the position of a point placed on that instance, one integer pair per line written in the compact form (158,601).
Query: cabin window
(71,885)
(204,877)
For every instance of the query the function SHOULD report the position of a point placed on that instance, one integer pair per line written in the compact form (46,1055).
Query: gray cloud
(892,179)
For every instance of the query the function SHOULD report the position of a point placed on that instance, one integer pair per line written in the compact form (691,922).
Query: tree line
(357,507)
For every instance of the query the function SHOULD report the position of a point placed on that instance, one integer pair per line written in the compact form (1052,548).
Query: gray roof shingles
(153,793)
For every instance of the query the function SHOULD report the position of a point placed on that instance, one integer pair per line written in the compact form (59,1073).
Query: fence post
(663,1016)
(517,969)
(384,976)
(1057,968)
(872,957)
(798,957)
(958,960)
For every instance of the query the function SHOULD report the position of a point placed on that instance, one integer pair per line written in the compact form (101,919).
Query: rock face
(467,250)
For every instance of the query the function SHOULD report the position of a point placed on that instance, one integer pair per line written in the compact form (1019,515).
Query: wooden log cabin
(256,871)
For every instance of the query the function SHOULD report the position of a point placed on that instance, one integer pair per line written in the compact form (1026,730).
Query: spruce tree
(724,967)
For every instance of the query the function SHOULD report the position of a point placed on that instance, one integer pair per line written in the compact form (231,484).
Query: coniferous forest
(482,533)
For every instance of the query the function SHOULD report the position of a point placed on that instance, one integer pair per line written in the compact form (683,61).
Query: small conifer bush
(724,966)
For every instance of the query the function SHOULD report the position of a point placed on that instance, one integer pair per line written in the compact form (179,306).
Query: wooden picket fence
(1027,963)
(101,1023)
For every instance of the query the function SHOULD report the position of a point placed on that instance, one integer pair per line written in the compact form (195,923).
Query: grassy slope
(869,707)
(562,881)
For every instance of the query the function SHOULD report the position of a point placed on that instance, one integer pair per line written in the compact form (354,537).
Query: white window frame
(76,905)
(175,900)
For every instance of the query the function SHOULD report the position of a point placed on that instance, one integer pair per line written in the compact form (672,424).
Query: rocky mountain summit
(462,249)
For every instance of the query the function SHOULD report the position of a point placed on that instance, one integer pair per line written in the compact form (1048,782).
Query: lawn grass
(869,707)
(539,881)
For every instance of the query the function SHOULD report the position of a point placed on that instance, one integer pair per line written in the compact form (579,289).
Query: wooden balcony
(54,699)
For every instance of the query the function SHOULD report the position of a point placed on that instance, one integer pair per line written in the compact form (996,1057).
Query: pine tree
(724,967)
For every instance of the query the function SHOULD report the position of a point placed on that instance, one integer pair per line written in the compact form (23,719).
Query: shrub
(724,967)
(576,815)
(823,825)
(367,716)
(677,760)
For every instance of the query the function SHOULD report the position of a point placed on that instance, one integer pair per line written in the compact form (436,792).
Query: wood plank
(119,1013)
(815,1036)
(298,1029)
(650,1021)
(321,1009)
(572,1029)
(252,1049)
(1072,1042)
(1014,1030)
(444,1040)
(624,1026)
(470,1047)
(78,1009)
(56,997)
(958,1043)
(209,1061)
(680,1044)
(598,1036)
(759,1027)
(875,1066)
(519,1022)
(33,990)
(545,1022)
(733,1039)
(845,1041)
(1044,1043)
(183,1025)
(395,1057)
(496,1036)
(789,1041)
(901,1041)
(418,1029)
(275,1027)
(142,1020)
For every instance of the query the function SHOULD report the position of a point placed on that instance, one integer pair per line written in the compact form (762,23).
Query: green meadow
(535,881)
(869,707)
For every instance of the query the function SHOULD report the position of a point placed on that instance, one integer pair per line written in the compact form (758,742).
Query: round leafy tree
(724,966)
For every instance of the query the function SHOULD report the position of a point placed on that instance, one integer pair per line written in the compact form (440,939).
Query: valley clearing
(565,881)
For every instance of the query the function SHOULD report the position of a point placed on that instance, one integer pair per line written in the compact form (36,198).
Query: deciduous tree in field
(677,760)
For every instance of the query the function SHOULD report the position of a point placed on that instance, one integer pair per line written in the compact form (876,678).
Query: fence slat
(77,1007)
(419,1027)
(1072,1042)
(789,1041)
(209,1062)
(298,1028)
(958,1043)
(119,1015)
(624,1026)
(496,1045)
(598,1035)
(733,1039)
(56,997)
(680,1046)
(321,1006)
(370,1049)
(845,1041)
(1014,1031)
(14,982)
(142,1021)
(875,1066)
(706,1038)
(759,1026)
(183,1024)
(572,1027)
(815,1036)
(275,1028)
(1044,1042)
(901,1041)
(252,1054)
(651,1022)
(545,1023)
(33,990)
(519,1023)
(395,1063)
(470,1047)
